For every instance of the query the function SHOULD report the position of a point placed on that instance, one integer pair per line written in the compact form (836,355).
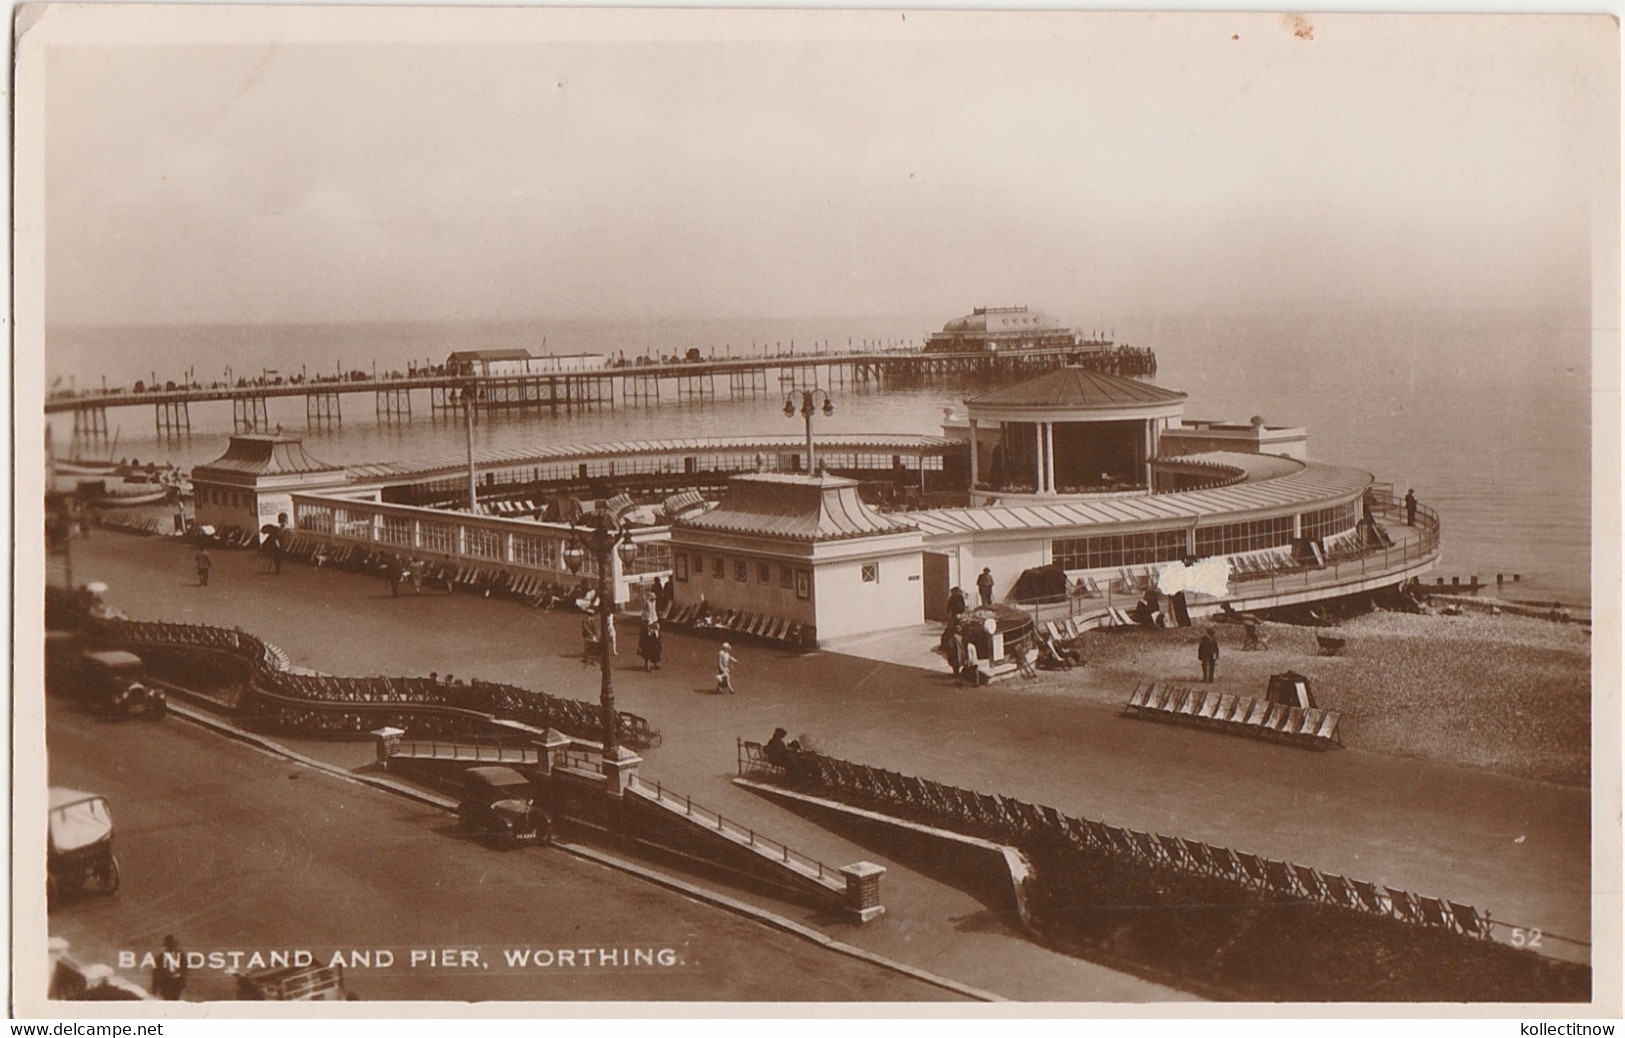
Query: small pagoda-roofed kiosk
(803,552)
(251,485)
(1067,432)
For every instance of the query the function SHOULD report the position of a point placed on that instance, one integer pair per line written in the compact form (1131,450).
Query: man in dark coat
(1207,650)
(1410,507)
(956,605)
(984,586)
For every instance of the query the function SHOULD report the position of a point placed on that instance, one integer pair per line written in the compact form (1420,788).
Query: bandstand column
(1049,457)
(974,450)
(1148,448)
(1038,456)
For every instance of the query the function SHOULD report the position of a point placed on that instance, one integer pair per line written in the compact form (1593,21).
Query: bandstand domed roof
(1077,389)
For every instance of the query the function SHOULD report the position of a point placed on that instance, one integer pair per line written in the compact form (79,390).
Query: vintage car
(110,683)
(500,803)
(310,983)
(79,843)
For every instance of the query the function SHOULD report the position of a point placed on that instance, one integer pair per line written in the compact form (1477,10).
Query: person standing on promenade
(1410,507)
(649,646)
(589,637)
(984,586)
(725,669)
(956,606)
(169,973)
(1207,650)
(204,564)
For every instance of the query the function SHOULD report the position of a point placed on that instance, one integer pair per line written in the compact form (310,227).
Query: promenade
(1518,849)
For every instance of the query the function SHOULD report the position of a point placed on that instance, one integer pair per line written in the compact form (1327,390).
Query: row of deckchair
(739,621)
(1241,715)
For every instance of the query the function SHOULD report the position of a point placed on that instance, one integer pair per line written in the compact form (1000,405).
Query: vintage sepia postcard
(540,511)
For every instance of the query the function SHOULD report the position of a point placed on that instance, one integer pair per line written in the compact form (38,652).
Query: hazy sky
(835,164)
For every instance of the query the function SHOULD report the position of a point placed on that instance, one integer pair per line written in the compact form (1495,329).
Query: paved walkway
(1516,848)
(346,624)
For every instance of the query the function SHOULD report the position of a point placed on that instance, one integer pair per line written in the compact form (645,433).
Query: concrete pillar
(863,889)
(385,741)
(620,770)
(551,741)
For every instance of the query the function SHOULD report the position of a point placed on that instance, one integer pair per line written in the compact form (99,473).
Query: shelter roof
(1076,388)
(265,454)
(879,443)
(1309,484)
(795,507)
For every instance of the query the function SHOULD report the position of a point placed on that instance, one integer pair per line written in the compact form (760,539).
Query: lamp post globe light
(603,541)
(808,402)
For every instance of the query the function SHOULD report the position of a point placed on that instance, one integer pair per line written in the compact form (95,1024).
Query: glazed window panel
(719,567)
(1324,522)
(1110,551)
(741,570)
(870,573)
(787,576)
(651,557)
(1237,538)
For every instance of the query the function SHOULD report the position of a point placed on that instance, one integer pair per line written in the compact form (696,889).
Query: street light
(808,400)
(602,541)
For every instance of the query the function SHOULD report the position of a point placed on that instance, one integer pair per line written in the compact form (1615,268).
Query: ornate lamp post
(604,542)
(808,401)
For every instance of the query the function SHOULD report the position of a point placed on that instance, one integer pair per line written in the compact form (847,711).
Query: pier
(616,385)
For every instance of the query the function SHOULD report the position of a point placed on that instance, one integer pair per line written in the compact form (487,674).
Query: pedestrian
(984,586)
(589,637)
(953,648)
(277,548)
(169,971)
(204,564)
(651,605)
(956,605)
(725,669)
(1410,507)
(414,572)
(649,646)
(1207,650)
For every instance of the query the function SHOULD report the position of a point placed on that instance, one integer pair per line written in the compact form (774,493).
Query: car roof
(115,658)
(61,796)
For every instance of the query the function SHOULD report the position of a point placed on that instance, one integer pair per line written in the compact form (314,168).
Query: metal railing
(435,749)
(803,863)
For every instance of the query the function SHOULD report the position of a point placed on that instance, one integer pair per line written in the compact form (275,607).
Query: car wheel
(107,876)
(465,816)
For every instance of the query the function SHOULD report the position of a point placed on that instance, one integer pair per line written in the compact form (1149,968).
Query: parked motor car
(500,803)
(79,843)
(111,683)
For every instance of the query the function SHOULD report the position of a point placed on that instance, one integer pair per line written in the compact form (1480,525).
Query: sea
(1485,413)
